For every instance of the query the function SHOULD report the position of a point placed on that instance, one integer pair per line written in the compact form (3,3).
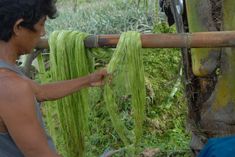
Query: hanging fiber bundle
(127,69)
(69,60)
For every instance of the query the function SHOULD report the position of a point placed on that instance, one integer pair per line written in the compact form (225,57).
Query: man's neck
(8,52)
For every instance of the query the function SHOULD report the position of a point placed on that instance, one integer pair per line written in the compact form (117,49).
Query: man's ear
(17,28)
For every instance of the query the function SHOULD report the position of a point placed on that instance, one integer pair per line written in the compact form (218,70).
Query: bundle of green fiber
(69,59)
(127,69)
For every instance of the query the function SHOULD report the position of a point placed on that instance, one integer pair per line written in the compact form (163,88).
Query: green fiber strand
(126,66)
(115,118)
(69,60)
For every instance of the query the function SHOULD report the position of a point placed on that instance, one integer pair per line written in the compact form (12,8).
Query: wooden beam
(185,40)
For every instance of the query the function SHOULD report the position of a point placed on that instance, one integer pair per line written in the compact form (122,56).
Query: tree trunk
(209,72)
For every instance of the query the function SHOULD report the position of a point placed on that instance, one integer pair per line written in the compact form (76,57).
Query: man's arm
(60,89)
(17,109)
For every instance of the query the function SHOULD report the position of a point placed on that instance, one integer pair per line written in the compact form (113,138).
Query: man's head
(26,12)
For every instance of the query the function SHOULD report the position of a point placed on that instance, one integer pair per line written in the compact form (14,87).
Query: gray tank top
(8,147)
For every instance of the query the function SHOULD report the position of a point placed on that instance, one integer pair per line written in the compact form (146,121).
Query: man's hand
(98,78)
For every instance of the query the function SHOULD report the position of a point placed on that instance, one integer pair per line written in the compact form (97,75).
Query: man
(21,128)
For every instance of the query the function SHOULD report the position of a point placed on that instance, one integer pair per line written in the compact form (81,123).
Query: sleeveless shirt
(8,148)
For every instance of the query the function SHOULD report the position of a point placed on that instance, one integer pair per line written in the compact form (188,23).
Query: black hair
(31,11)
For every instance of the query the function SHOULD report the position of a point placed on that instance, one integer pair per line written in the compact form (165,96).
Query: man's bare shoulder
(13,88)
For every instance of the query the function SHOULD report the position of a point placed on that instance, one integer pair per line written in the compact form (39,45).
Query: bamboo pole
(185,40)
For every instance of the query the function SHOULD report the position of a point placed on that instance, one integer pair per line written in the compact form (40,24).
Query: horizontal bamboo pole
(185,40)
